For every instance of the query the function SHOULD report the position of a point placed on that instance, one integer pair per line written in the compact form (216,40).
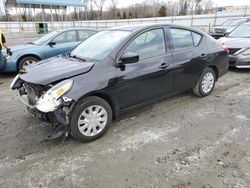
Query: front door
(149,78)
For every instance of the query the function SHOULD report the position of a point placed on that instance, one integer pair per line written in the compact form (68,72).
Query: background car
(238,42)
(51,44)
(228,26)
(118,69)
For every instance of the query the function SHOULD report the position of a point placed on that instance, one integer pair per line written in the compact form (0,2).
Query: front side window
(45,38)
(181,38)
(68,36)
(149,44)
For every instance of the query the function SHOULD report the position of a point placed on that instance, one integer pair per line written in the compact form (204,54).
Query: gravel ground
(184,141)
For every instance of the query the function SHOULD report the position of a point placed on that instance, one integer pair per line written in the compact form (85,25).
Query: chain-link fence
(204,22)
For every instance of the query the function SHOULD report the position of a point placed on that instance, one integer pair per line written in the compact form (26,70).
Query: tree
(162,11)
(118,15)
(130,15)
(99,5)
(124,16)
(114,7)
(183,7)
(198,7)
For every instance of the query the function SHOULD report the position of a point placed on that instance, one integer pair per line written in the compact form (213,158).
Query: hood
(22,47)
(235,42)
(55,69)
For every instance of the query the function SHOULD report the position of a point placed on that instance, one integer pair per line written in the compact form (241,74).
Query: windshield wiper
(31,43)
(76,57)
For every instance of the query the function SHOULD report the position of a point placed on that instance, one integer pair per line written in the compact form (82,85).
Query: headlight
(5,54)
(246,52)
(212,30)
(60,89)
(50,101)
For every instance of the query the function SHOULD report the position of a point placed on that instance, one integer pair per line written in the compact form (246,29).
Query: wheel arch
(215,69)
(26,55)
(114,105)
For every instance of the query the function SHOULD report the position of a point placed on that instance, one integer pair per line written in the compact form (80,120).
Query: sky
(124,3)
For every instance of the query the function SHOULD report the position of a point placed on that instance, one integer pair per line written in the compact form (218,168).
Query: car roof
(135,27)
(75,28)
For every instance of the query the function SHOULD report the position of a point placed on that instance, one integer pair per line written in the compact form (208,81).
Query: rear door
(189,55)
(149,78)
(64,42)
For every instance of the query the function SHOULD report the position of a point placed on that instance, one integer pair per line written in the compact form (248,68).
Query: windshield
(241,32)
(233,22)
(98,46)
(45,38)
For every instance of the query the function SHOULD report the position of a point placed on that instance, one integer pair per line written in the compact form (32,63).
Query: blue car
(51,44)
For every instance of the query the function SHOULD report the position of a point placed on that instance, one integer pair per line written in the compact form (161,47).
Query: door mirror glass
(129,58)
(51,43)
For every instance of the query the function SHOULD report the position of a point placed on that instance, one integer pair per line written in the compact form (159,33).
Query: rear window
(183,38)
(197,38)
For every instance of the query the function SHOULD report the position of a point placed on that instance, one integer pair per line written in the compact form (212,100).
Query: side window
(68,36)
(84,34)
(197,38)
(181,38)
(149,44)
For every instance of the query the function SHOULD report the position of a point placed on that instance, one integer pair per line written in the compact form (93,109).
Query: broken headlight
(50,101)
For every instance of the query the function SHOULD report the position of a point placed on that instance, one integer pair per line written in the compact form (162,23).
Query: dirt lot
(184,141)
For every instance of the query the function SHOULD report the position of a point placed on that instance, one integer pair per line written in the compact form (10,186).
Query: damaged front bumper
(44,104)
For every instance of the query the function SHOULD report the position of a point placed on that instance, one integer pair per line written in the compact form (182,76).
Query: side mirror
(51,43)
(129,58)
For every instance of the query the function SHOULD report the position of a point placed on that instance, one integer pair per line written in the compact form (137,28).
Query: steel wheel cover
(207,82)
(92,120)
(27,63)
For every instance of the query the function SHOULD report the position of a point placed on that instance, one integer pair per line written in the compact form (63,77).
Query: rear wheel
(25,62)
(90,119)
(205,84)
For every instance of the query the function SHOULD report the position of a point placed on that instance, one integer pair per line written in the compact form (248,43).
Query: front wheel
(205,84)
(90,119)
(25,62)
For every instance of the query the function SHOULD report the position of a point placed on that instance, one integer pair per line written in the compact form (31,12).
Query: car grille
(233,50)
(31,94)
(232,62)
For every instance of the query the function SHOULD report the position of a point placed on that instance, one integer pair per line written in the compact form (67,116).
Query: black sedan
(118,69)
(238,43)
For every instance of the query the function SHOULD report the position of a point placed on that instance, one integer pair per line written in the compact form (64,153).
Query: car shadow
(137,111)
(234,69)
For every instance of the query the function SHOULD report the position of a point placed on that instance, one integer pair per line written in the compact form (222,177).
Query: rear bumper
(223,64)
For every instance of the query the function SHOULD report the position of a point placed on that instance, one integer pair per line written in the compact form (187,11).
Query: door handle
(203,56)
(163,66)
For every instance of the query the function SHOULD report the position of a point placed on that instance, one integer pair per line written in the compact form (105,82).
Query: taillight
(225,48)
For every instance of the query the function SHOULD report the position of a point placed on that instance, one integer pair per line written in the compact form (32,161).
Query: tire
(23,63)
(206,83)
(84,124)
